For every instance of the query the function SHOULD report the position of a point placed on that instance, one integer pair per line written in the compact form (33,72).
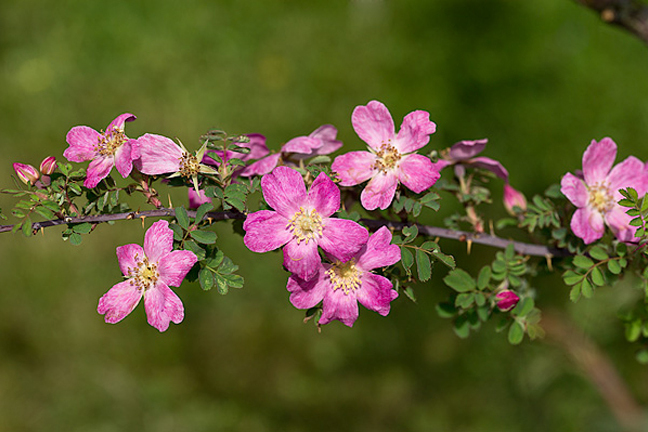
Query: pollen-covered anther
(110,141)
(305,225)
(344,276)
(145,275)
(189,165)
(600,198)
(388,158)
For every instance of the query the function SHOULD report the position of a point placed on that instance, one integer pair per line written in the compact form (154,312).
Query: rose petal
(158,241)
(619,222)
(373,123)
(98,170)
(307,294)
(162,306)
(265,231)
(82,141)
(629,173)
(158,155)
(129,257)
(284,190)
(328,143)
(324,196)
(414,132)
(417,172)
(119,301)
(467,149)
(491,165)
(378,251)
(302,144)
(119,122)
(342,238)
(587,224)
(380,191)
(302,259)
(574,189)
(174,266)
(376,293)
(339,306)
(262,166)
(124,159)
(355,167)
(598,159)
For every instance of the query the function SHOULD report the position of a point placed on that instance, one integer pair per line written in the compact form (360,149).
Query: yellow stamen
(305,226)
(344,276)
(110,141)
(600,197)
(189,165)
(388,158)
(145,275)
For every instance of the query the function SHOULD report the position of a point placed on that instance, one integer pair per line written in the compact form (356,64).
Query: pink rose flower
(513,198)
(301,222)
(506,300)
(149,271)
(48,165)
(390,159)
(596,195)
(26,173)
(103,149)
(341,285)
(463,154)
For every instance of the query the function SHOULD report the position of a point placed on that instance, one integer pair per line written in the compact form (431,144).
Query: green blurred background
(540,79)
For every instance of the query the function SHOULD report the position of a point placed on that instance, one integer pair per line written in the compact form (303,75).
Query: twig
(631,15)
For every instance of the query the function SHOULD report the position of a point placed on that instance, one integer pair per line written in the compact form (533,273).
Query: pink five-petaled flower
(301,221)
(341,285)
(149,271)
(596,195)
(390,160)
(103,149)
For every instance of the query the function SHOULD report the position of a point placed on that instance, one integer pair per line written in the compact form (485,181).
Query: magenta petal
(265,230)
(376,293)
(339,306)
(467,149)
(174,266)
(574,189)
(414,132)
(440,164)
(118,123)
(629,173)
(158,155)
(328,143)
(379,252)
(262,166)
(587,224)
(302,259)
(196,199)
(380,191)
(343,238)
(302,144)
(307,294)
(162,306)
(124,159)
(598,159)
(119,301)
(82,141)
(98,170)
(324,196)
(491,165)
(257,146)
(128,256)
(284,190)
(158,241)
(373,124)
(619,222)
(417,172)
(354,168)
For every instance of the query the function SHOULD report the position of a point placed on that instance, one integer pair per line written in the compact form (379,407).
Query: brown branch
(631,15)
(498,242)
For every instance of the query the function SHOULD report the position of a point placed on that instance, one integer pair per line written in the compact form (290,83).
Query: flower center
(600,198)
(345,276)
(388,158)
(189,165)
(110,141)
(305,226)
(145,275)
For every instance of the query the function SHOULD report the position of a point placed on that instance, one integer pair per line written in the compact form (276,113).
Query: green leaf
(407,259)
(206,279)
(586,289)
(461,327)
(75,239)
(516,333)
(178,233)
(572,278)
(227,267)
(27,227)
(509,252)
(464,300)
(192,246)
(523,307)
(238,204)
(480,299)
(215,261)
(597,277)
(633,330)
(642,356)
(484,277)
(233,280)
(614,267)
(321,159)
(45,212)
(82,228)
(575,293)
(221,284)
(409,293)
(598,253)
(446,310)
(204,236)
(448,260)
(423,266)
(203,210)
(460,281)
(182,217)
(583,262)
(410,233)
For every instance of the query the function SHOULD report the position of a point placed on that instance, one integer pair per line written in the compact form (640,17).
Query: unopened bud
(48,166)
(513,198)
(27,173)
(506,300)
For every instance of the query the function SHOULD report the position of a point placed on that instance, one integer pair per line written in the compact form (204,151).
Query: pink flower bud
(506,300)
(49,165)
(27,173)
(513,198)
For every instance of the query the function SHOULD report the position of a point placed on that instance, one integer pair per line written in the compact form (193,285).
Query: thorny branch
(632,15)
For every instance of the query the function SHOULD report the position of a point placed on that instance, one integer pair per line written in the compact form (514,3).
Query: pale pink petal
(440,164)
(119,301)
(629,173)
(378,252)
(619,222)
(380,191)
(324,196)
(302,144)
(417,172)
(302,259)
(355,167)
(327,135)
(82,141)
(373,123)
(162,306)
(587,224)
(414,132)
(491,165)
(342,238)
(158,241)
(118,123)
(598,159)
(158,155)
(129,257)
(467,149)
(307,294)
(174,266)
(284,190)
(376,293)
(98,170)
(262,166)
(574,189)
(265,230)
(339,306)
(124,158)
(257,146)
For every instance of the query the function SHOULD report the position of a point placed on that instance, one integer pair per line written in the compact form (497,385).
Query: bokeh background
(540,79)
